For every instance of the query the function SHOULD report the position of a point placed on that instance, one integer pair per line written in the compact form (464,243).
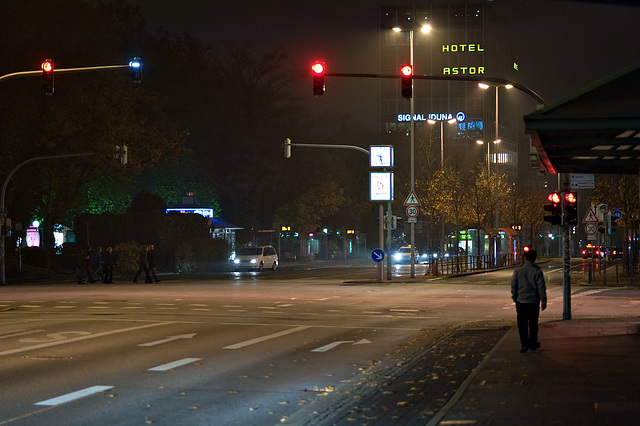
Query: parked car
(403,255)
(256,258)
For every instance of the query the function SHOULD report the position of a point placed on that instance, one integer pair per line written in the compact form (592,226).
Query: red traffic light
(318,78)
(554,197)
(526,249)
(318,68)
(406,77)
(47,77)
(47,66)
(571,197)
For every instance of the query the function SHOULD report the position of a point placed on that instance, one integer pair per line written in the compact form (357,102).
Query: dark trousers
(147,278)
(528,314)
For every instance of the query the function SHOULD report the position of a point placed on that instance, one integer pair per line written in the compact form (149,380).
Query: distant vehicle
(403,255)
(616,254)
(590,251)
(256,258)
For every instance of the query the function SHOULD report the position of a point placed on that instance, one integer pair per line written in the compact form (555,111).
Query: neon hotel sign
(462,48)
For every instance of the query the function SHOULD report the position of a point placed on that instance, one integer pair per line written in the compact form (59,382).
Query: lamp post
(481,142)
(453,120)
(425,29)
(485,86)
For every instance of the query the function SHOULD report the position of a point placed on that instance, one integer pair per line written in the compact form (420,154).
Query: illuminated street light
(481,142)
(425,29)
(451,121)
(485,86)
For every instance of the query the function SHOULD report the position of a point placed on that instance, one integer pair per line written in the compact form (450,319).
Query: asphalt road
(246,349)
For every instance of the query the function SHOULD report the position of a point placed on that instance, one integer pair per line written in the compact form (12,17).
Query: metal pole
(566,264)
(496,190)
(442,242)
(381,227)
(413,131)
(389,221)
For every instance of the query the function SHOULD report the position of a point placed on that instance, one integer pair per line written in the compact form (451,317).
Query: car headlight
(236,261)
(254,260)
(397,256)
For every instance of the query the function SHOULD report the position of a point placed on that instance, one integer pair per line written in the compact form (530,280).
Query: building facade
(467,38)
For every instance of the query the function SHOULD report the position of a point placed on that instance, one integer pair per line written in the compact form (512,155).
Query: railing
(461,264)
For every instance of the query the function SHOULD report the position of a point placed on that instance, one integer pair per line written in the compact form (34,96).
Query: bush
(127,257)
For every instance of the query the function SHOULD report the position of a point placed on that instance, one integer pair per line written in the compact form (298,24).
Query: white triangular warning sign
(590,217)
(412,199)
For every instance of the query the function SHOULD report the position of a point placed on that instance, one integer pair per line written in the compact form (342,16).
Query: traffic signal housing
(406,76)
(571,208)
(555,208)
(47,77)
(136,69)
(318,69)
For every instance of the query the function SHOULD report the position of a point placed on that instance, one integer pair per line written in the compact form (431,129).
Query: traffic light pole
(62,71)
(566,263)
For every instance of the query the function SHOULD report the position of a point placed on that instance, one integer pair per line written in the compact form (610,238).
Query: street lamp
(481,142)
(424,29)
(453,120)
(485,86)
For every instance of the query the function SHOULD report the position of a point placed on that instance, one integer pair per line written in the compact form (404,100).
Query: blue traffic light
(136,69)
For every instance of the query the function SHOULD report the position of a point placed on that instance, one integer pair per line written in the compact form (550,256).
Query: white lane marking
(20,333)
(330,346)
(74,395)
(174,364)
(168,339)
(80,338)
(265,338)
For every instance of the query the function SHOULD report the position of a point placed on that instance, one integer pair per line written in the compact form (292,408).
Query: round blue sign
(460,116)
(617,214)
(377,255)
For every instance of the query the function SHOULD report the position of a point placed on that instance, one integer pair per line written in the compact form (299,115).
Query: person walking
(151,258)
(96,265)
(143,265)
(107,265)
(529,292)
(85,266)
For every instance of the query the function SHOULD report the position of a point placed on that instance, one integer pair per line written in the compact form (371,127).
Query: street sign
(412,199)
(377,255)
(412,211)
(617,214)
(582,181)
(381,156)
(381,186)
(591,228)
(590,217)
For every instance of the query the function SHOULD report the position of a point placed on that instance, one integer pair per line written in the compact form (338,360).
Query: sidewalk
(585,373)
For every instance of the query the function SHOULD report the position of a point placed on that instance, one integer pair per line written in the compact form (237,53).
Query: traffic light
(525,249)
(406,75)
(555,208)
(571,208)
(136,69)
(318,78)
(47,77)
(287,148)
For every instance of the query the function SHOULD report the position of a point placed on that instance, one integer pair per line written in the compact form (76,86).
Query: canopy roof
(596,130)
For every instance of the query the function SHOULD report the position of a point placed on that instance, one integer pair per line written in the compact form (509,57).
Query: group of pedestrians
(96,265)
(147,264)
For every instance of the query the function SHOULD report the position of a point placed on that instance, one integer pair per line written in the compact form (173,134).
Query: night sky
(564,45)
